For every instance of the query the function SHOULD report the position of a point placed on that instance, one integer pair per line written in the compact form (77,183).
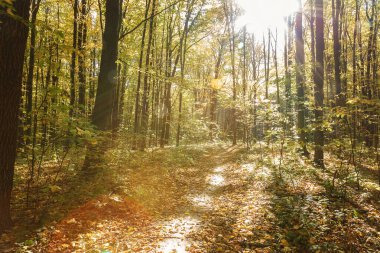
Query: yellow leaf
(284,242)
(54,188)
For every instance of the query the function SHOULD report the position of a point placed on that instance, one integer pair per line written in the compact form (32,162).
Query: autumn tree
(300,80)
(13,38)
(319,81)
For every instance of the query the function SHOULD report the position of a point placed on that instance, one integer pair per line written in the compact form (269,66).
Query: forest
(189,126)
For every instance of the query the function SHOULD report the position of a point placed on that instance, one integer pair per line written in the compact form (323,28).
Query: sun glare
(259,15)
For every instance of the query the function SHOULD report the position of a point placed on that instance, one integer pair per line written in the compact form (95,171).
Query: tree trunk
(319,82)
(146,89)
(288,76)
(82,40)
(214,90)
(29,81)
(300,80)
(268,67)
(336,9)
(13,39)
(276,68)
(139,74)
(102,115)
(231,33)
(73,60)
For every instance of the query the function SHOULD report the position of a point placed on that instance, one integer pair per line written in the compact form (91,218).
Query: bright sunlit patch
(203,201)
(216,180)
(247,167)
(219,169)
(263,173)
(263,14)
(176,230)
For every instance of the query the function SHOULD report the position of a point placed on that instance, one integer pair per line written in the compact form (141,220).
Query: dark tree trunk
(73,59)
(336,10)
(354,46)
(102,115)
(256,67)
(319,82)
(288,76)
(146,89)
(369,86)
(182,52)
(139,75)
(92,84)
(29,80)
(312,38)
(169,72)
(276,68)
(82,40)
(13,39)
(300,80)
(268,66)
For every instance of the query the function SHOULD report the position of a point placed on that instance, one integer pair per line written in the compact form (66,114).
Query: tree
(319,82)
(139,75)
(13,39)
(82,40)
(300,80)
(31,63)
(336,13)
(102,114)
(74,59)
(145,97)
(287,65)
(230,19)
(214,88)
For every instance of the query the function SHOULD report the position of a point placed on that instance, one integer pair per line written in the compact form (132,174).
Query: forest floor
(212,198)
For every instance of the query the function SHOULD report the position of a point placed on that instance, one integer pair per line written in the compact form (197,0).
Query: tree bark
(29,82)
(214,90)
(336,10)
(13,39)
(139,75)
(319,82)
(300,80)
(73,60)
(146,89)
(102,115)
(82,41)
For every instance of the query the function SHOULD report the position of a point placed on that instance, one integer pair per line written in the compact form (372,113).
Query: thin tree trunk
(300,80)
(82,41)
(276,68)
(268,66)
(145,97)
(319,82)
(139,74)
(288,63)
(73,60)
(29,82)
(214,90)
(336,9)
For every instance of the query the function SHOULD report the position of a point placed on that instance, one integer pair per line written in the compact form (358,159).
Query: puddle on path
(175,233)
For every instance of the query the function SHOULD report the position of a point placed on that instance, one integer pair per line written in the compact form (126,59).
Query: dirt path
(204,207)
(209,199)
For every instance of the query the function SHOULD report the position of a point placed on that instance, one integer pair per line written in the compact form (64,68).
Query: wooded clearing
(189,126)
